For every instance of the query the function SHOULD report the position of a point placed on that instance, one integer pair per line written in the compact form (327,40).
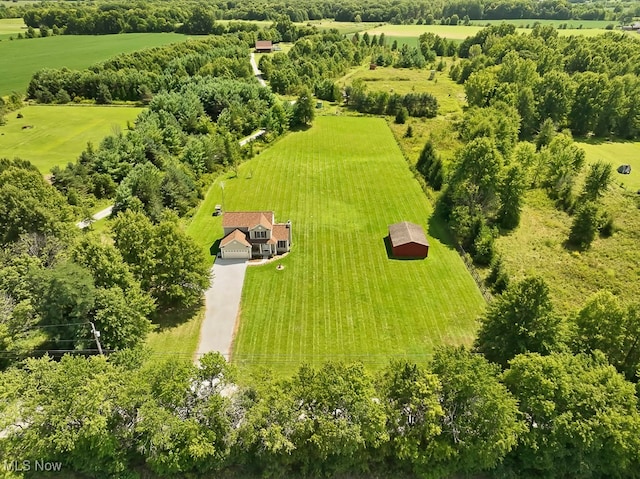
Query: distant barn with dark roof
(264,46)
(408,240)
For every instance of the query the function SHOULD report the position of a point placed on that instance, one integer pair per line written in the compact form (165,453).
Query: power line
(58,325)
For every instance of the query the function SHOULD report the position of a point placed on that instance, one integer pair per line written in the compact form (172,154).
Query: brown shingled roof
(263,44)
(236,235)
(405,232)
(247,219)
(280,232)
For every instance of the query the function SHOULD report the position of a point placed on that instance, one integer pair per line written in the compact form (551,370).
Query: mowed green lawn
(56,135)
(22,58)
(339,296)
(617,153)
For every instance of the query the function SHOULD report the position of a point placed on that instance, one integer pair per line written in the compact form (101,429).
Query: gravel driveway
(222,303)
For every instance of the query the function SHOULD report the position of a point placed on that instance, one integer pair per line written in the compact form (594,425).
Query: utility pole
(222,188)
(96,336)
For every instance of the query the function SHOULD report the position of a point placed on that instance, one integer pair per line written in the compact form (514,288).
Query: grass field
(22,58)
(204,228)
(58,134)
(450,95)
(11,27)
(571,24)
(537,247)
(342,183)
(460,32)
(618,153)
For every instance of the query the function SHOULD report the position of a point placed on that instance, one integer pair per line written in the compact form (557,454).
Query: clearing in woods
(339,296)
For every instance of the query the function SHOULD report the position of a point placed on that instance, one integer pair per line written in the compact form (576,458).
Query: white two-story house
(253,234)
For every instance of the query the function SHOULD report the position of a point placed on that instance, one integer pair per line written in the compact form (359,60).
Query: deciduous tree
(582,416)
(520,320)
(607,325)
(481,422)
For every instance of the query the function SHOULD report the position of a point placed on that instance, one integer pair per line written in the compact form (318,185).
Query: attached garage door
(235,253)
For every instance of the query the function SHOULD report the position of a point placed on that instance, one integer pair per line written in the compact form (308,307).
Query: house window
(260,234)
(282,244)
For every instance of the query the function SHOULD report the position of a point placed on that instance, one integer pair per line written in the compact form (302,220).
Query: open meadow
(55,135)
(537,247)
(450,95)
(22,58)
(339,296)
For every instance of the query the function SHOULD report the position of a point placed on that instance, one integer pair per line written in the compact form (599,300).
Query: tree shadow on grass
(439,230)
(599,140)
(168,319)
(300,128)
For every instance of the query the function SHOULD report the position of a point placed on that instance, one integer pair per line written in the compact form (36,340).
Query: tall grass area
(22,58)
(49,135)
(451,101)
(537,247)
(450,95)
(340,296)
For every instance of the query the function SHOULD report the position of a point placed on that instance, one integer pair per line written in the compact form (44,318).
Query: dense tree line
(312,61)
(202,98)
(587,84)
(192,17)
(136,76)
(55,281)
(539,88)
(556,415)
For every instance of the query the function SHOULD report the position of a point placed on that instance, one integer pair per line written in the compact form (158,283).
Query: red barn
(408,240)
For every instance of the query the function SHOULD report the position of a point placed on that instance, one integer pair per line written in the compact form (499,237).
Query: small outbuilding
(264,46)
(408,240)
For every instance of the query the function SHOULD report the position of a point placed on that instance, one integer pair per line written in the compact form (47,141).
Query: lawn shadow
(300,128)
(598,140)
(171,318)
(215,248)
(438,229)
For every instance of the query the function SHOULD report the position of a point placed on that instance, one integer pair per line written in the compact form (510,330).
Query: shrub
(585,225)
(402,115)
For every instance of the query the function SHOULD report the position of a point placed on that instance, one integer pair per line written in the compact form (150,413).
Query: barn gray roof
(405,232)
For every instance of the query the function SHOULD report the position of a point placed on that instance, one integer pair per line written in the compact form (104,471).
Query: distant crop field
(22,58)
(342,27)
(460,32)
(339,296)
(617,153)
(55,135)
(571,24)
